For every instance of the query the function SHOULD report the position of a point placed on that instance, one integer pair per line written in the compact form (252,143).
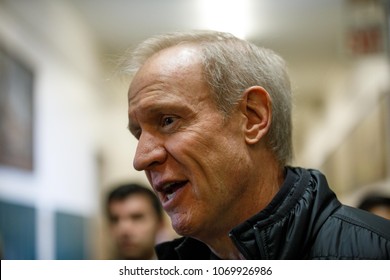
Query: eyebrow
(164,105)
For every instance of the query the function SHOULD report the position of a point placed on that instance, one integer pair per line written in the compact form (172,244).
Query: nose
(124,228)
(150,152)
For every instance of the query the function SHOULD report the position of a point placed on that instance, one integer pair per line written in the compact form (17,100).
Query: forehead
(176,67)
(132,203)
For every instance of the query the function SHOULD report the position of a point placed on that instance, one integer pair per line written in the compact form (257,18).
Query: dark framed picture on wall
(16,112)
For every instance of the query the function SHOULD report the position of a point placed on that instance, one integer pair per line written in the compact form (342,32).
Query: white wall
(50,37)
(80,115)
(117,144)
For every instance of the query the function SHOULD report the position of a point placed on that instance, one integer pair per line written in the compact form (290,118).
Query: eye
(136,132)
(166,121)
(113,220)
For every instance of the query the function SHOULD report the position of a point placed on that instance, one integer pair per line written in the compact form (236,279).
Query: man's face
(193,158)
(134,225)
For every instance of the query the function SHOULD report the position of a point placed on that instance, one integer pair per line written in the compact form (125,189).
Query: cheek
(148,229)
(115,231)
(196,144)
(208,159)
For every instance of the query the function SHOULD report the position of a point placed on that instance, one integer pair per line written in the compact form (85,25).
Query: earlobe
(257,108)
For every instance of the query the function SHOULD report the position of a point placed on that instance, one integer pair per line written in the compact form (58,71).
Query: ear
(257,108)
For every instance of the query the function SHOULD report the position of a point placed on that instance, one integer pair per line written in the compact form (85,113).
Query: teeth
(170,196)
(169,191)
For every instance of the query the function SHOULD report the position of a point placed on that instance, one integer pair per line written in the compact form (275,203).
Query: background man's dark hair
(123,191)
(373,201)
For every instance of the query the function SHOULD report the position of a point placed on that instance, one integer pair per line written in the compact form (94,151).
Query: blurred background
(63,110)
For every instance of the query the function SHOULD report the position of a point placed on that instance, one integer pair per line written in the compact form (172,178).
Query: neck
(225,249)
(255,200)
(153,256)
(150,256)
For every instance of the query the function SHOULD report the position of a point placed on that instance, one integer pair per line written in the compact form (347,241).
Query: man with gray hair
(212,115)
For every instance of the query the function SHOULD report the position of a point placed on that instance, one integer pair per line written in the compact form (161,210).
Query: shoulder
(360,218)
(351,233)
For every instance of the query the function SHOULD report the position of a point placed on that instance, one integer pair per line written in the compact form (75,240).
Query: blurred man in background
(135,217)
(377,204)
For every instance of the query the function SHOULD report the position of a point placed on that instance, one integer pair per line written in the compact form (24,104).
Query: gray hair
(230,66)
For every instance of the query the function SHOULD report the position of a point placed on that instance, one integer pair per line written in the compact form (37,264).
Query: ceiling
(307,33)
(293,27)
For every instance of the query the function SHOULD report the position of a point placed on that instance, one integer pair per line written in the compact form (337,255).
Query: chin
(184,225)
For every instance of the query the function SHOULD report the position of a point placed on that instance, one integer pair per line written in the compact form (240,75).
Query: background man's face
(134,225)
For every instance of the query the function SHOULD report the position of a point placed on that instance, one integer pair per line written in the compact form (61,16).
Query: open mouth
(169,190)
